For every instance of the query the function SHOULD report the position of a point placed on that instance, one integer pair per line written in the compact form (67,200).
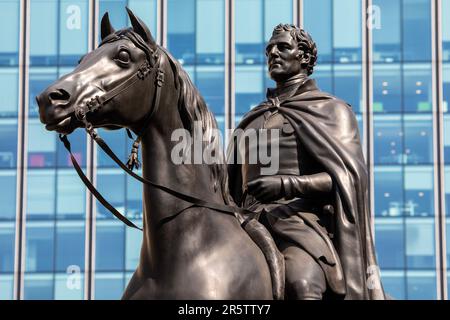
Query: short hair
(305,43)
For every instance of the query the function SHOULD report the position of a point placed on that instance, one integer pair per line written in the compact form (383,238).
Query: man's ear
(305,58)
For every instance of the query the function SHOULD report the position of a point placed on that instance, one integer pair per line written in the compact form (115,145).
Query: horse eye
(123,56)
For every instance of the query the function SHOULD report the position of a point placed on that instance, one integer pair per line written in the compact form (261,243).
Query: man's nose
(273,51)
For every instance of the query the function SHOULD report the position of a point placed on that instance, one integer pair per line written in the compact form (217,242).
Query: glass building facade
(390,59)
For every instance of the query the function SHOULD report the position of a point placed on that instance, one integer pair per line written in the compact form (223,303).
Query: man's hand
(266,189)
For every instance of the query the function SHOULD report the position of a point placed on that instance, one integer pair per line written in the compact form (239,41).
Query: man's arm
(270,188)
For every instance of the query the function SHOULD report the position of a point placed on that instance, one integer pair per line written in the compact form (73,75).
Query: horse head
(111,87)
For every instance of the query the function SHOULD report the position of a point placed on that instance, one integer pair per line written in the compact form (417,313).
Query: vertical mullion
(91,162)
(229,68)
(367,98)
(438,150)
(300,13)
(295,12)
(161,16)
(21,165)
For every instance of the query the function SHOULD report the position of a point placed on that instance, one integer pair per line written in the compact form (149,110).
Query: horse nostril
(59,95)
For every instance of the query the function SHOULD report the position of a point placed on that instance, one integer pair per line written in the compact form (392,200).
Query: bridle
(97,102)
(146,69)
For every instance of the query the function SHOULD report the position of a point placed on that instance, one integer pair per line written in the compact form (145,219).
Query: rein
(96,103)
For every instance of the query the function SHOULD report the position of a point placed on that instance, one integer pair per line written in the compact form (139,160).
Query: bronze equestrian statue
(196,243)
(316,205)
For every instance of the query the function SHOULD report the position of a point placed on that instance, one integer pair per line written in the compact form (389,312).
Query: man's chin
(277,75)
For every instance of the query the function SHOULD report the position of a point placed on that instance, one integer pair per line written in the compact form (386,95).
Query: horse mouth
(64,126)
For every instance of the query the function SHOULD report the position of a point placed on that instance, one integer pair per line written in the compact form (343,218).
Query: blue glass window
(418,139)
(41,194)
(7,195)
(421,285)
(389,191)
(134,198)
(6,285)
(111,183)
(69,239)
(419,191)
(9,31)
(110,247)
(6,248)
(9,78)
(394,284)
(108,286)
(133,248)
(388,140)
(390,243)
(249,88)
(40,247)
(420,242)
(38,287)
(387,88)
(8,143)
(69,286)
(338,40)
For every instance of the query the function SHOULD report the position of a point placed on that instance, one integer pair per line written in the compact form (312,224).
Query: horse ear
(106,27)
(140,28)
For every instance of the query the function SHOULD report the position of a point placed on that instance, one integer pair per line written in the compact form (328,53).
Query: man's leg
(304,277)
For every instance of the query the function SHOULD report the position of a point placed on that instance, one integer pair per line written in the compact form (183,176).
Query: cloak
(328,130)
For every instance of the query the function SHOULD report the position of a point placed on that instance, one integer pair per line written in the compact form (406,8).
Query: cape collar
(308,85)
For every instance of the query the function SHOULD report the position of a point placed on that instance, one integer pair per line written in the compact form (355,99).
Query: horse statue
(192,248)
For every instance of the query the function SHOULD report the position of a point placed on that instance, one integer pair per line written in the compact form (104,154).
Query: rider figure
(315,206)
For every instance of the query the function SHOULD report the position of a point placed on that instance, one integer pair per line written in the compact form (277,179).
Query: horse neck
(193,179)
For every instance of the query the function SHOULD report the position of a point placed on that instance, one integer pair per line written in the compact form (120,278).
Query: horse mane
(192,107)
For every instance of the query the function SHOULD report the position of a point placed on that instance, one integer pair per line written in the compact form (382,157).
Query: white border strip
(438,151)
(295,12)
(300,13)
(22,142)
(161,17)
(367,100)
(229,68)
(91,163)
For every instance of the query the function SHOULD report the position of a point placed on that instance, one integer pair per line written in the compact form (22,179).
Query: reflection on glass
(6,248)
(69,286)
(70,246)
(338,40)
(41,194)
(420,252)
(111,183)
(40,247)
(133,248)
(394,284)
(390,243)
(110,246)
(38,286)
(419,191)
(421,285)
(108,286)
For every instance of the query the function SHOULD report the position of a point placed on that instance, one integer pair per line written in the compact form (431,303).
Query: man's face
(283,57)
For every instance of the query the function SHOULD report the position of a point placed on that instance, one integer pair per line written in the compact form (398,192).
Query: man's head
(290,51)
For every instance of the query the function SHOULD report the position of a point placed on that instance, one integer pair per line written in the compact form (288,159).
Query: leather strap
(91,187)
(98,101)
(181,195)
